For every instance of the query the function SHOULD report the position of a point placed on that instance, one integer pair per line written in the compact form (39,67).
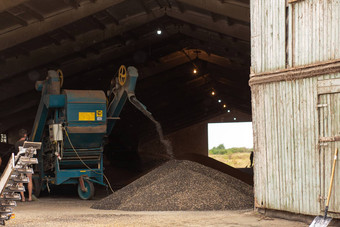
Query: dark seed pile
(181,185)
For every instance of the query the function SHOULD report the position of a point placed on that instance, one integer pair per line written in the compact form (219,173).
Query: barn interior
(166,40)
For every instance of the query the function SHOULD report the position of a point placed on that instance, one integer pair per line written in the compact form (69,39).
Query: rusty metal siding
(315,31)
(267,35)
(329,126)
(292,170)
(288,171)
(312,29)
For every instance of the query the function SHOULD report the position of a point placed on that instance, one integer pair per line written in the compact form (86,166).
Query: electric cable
(69,140)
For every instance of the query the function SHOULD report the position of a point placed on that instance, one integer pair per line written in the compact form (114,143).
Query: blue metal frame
(71,176)
(78,102)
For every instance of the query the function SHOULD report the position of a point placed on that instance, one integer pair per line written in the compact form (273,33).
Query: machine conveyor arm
(124,88)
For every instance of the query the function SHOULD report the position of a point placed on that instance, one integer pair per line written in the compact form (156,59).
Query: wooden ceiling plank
(98,23)
(113,17)
(228,9)
(42,56)
(8,4)
(74,3)
(32,12)
(237,31)
(17,20)
(33,30)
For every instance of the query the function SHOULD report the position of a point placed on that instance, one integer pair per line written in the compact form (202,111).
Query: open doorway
(231,143)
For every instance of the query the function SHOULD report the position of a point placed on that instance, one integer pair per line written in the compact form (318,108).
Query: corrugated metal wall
(315,29)
(314,25)
(291,172)
(329,126)
(267,35)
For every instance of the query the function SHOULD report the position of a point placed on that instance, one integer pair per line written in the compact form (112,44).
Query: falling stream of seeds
(165,142)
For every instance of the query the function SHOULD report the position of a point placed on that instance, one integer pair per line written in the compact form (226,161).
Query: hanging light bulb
(219,101)
(228,111)
(195,71)
(234,118)
(213,93)
(159,31)
(224,105)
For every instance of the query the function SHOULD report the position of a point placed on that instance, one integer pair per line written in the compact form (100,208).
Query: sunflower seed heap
(181,185)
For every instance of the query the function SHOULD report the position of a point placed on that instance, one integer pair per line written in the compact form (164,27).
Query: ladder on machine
(14,176)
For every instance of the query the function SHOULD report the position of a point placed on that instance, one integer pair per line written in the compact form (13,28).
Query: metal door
(329,133)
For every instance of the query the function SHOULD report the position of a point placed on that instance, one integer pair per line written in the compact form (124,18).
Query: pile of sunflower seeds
(181,185)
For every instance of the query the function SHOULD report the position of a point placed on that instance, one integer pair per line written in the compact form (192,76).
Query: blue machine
(71,124)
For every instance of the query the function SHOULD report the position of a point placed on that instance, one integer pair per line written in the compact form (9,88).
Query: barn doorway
(231,143)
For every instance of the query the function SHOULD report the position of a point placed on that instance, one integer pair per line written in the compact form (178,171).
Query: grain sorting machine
(72,124)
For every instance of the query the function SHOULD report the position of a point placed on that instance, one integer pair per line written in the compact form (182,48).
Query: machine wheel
(122,75)
(37,186)
(89,190)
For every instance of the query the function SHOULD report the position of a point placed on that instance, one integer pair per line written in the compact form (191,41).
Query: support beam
(109,55)
(114,18)
(32,12)
(74,3)
(43,56)
(77,66)
(164,65)
(226,8)
(7,4)
(144,6)
(18,20)
(98,23)
(217,39)
(181,7)
(31,31)
(237,31)
(178,58)
(68,34)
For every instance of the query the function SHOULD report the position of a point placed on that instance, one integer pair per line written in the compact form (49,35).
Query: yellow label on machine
(86,116)
(99,113)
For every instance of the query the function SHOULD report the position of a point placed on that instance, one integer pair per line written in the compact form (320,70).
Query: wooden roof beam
(113,17)
(181,7)
(8,4)
(143,5)
(74,3)
(42,56)
(32,12)
(98,23)
(226,8)
(18,20)
(238,31)
(33,30)
(78,66)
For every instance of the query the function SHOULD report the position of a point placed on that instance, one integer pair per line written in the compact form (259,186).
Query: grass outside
(236,160)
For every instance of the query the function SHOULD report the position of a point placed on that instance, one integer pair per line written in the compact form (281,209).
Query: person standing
(20,142)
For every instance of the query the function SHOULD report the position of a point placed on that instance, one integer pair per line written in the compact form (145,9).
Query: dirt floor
(66,211)
(236,160)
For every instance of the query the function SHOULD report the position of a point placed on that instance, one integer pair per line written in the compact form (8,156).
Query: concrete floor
(66,211)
